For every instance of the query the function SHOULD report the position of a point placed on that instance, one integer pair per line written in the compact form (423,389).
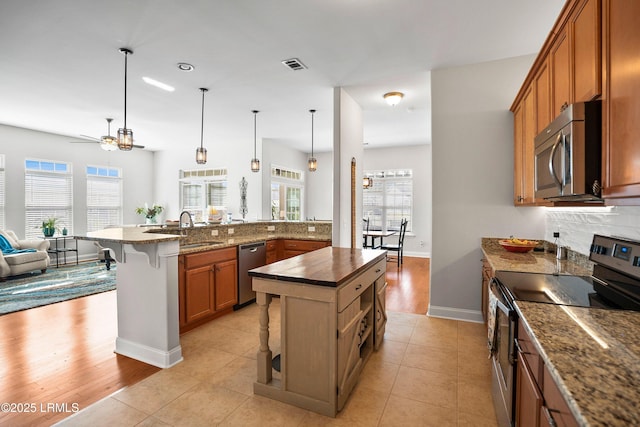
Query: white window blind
(48,193)
(389,200)
(104,197)
(2,193)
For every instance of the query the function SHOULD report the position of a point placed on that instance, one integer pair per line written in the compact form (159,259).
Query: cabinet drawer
(303,245)
(530,354)
(272,245)
(209,257)
(359,284)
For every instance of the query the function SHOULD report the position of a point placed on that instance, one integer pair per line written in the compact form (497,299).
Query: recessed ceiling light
(183,66)
(163,86)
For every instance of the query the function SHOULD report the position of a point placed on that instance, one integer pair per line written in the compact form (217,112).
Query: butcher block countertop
(592,354)
(330,266)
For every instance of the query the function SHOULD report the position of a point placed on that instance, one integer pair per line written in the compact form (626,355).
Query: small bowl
(513,247)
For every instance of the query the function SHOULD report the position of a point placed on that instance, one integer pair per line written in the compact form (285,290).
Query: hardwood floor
(63,353)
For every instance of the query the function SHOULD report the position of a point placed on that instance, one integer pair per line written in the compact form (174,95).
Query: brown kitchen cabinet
(524,127)
(621,103)
(538,398)
(560,73)
(272,250)
(487,275)
(586,42)
(542,86)
(207,286)
(293,247)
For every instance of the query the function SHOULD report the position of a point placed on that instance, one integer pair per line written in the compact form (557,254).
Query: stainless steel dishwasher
(250,256)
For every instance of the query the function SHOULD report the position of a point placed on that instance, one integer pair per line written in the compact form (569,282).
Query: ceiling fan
(107,142)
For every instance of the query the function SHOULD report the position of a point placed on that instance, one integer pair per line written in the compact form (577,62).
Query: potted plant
(149,213)
(49,226)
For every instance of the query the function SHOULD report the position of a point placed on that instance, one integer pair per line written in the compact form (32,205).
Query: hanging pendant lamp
(201,152)
(108,142)
(255,163)
(313,163)
(125,135)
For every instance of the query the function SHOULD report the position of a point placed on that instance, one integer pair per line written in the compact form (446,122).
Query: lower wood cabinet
(207,286)
(487,275)
(291,247)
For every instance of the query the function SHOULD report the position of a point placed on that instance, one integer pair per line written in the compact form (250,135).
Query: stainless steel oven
(503,360)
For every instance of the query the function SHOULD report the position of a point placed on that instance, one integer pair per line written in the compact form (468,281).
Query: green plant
(50,226)
(149,212)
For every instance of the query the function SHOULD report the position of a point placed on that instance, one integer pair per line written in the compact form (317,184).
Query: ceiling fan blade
(138,146)
(85,142)
(91,138)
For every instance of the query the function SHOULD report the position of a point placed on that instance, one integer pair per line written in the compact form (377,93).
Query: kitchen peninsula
(147,293)
(332,317)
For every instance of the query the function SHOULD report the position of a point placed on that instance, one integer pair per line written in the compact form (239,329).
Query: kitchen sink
(200,244)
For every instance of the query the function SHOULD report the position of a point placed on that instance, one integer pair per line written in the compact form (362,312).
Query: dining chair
(400,246)
(365,238)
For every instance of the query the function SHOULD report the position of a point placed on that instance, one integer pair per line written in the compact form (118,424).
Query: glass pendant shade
(201,155)
(367,182)
(108,143)
(313,164)
(125,139)
(255,165)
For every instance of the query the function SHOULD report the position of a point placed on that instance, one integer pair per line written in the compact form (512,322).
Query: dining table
(376,234)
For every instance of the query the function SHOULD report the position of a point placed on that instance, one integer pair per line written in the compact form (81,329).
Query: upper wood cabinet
(524,127)
(560,74)
(586,50)
(621,102)
(542,86)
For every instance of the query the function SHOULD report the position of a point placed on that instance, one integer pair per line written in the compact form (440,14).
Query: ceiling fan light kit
(125,135)
(108,142)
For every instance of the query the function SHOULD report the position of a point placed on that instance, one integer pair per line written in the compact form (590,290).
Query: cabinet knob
(359,286)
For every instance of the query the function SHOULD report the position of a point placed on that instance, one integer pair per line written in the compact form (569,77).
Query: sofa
(23,262)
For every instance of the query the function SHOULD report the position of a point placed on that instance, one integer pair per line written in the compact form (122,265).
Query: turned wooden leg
(264,353)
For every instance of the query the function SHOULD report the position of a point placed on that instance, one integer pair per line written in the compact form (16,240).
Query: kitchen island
(147,293)
(332,317)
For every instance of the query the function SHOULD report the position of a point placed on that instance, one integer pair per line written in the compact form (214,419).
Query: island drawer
(354,288)
(303,245)
(202,259)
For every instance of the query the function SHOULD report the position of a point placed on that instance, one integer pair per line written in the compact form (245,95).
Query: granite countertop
(534,262)
(599,381)
(330,266)
(128,235)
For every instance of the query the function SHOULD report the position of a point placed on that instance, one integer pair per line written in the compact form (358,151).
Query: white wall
(347,145)
(18,144)
(577,225)
(473,179)
(319,188)
(417,158)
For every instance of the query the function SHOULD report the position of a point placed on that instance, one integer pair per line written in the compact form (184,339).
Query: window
(104,197)
(48,193)
(2,193)
(203,190)
(389,200)
(286,194)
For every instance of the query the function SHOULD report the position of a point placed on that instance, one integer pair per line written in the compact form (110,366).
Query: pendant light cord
(202,121)
(126,54)
(312,112)
(255,115)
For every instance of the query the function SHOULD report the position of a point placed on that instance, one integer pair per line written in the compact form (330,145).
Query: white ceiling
(61,71)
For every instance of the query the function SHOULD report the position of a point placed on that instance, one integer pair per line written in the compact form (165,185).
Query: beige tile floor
(428,372)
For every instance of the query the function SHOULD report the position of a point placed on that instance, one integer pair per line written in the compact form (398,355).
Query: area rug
(56,285)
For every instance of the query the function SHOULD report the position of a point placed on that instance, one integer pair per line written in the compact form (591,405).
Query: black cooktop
(552,289)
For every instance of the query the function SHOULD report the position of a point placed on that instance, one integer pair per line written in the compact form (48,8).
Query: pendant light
(108,142)
(313,163)
(255,163)
(201,152)
(125,135)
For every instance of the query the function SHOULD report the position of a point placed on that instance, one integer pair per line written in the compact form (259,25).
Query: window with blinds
(48,193)
(2,193)
(104,197)
(203,189)
(389,200)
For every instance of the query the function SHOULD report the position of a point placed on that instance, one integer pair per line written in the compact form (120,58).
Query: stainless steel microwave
(568,155)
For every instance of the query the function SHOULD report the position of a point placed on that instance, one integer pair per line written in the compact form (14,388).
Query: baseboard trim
(418,254)
(462,314)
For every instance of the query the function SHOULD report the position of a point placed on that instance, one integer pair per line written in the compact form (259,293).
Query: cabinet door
(543,97)
(528,396)
(349,361)
(199,293)
(556,407)
(226,285)
(585,43)
(621,102)
(487,275)
(380,310)
(524,135)
(560,73)
(518,138)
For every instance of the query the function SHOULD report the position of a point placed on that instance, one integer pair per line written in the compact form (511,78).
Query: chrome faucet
(188,216)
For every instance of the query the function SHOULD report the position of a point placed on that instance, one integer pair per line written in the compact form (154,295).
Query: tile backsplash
(577,225)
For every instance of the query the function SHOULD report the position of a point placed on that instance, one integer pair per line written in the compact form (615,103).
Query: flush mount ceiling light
(313,163)
(201,152)
(159,85)
(108,142)
(183,66)
(393,98)
(255,163)
(125,135)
